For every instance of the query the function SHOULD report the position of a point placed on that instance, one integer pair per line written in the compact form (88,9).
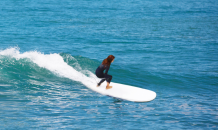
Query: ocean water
(50,49)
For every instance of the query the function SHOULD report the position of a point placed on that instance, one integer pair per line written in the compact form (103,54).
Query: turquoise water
(48,49)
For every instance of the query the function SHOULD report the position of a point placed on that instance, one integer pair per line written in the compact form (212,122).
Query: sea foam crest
(53,62)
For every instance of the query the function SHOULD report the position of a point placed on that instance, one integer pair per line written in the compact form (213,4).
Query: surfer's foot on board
(98,85)
(108,87)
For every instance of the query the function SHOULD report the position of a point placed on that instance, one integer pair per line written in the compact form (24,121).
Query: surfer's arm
(106,70)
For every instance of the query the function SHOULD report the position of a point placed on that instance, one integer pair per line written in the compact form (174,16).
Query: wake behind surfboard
(125,92)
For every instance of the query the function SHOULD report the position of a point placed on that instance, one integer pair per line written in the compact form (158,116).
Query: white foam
(53,62)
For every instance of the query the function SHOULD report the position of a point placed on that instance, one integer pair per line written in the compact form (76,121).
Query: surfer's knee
(109,77)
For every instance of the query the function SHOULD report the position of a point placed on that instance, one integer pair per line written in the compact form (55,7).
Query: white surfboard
(125,92)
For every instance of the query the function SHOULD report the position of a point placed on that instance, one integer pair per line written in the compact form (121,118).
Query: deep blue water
(170,47)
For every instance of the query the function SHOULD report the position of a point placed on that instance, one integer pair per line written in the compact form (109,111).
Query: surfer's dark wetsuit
(100,73)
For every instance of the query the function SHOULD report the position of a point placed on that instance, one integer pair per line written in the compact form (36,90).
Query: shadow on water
(117,100)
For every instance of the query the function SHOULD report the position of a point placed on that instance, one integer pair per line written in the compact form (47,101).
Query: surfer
(105,65)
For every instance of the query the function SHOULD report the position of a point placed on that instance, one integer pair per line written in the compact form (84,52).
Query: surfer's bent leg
(108,78)
(101,81)
(100,75)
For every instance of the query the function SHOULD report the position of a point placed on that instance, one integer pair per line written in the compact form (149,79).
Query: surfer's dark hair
(108,60)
